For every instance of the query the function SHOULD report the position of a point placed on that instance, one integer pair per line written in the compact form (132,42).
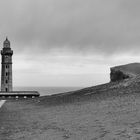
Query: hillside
(106,112)
(128,80)
(133,68)
(124,71)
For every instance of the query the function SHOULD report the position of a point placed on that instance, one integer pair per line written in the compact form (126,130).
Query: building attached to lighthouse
(6,67)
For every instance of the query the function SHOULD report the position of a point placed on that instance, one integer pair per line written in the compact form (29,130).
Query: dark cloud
(77,25)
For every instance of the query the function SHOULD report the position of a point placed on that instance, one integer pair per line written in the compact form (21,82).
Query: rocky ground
(106,112)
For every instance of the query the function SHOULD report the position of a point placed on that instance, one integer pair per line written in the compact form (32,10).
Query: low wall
(19,94)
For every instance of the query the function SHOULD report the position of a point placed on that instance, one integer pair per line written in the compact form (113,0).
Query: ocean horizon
(47,90)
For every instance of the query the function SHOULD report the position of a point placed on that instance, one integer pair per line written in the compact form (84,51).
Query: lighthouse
(6,67)
(6,76)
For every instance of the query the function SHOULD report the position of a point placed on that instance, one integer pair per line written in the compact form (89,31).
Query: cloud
(93,26)
(58,42)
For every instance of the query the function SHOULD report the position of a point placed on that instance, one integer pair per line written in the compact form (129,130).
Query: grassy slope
(110,111)
(132,68)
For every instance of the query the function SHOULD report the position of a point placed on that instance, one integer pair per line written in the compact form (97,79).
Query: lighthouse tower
(6,67)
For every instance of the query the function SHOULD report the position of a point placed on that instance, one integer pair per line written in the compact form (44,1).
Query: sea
(47,90)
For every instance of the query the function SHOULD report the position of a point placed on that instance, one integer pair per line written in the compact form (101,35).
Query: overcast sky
(69,42)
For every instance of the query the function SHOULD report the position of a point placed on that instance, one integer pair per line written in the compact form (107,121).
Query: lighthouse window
(7,66)
(6,81)
(6,73)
